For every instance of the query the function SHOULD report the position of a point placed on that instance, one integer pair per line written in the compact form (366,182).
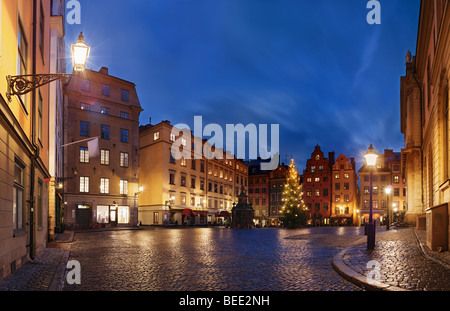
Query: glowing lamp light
(371,157)
(80,54)
(141,188)
(388,190)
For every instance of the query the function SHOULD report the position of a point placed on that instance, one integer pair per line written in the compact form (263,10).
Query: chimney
(104,70)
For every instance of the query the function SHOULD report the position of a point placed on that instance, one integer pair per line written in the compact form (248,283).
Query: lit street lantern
(80,54)
(371,161)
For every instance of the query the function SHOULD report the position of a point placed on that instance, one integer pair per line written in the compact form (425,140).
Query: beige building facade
(196,191)
(100,190)
(425,118)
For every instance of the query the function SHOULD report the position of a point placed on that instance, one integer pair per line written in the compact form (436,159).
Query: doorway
(113,215)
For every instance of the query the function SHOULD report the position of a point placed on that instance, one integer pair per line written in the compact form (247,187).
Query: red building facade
(317,187)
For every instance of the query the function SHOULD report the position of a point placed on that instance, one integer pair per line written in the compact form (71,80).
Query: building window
(124,135)
(317,179)
(85,85)
(172,178)
(325,192)
(18,196)
(346,176)
(104,185)
(183,180)
(346,198)
(320,167)
(124,159)
(124,95)
(337,186)
(396,179)
(84,155)
(105,131)
(104,110)
(183,162)
(309,179)
(22,58)
(193,166)
(156,136)
(366,189)
(106,89)
(86,107)
(313,169)
(338,198)
(336,176)
(317,206)
(84,184)
(308,193)
(193,182)
(172,137)
(325,206)
(124,115)
(346,186)
(84,128)
(396,192)
(317,192)
(104,157)
(317,157)
(124,187)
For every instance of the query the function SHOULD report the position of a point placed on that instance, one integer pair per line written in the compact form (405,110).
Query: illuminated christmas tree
(294,215)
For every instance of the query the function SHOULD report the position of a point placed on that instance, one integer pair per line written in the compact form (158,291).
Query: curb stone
(356,278)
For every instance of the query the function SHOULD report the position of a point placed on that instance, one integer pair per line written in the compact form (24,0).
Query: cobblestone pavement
(44,273)
(211,259)
(402,264)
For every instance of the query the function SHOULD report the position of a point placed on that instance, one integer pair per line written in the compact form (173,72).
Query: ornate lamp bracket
(21,85)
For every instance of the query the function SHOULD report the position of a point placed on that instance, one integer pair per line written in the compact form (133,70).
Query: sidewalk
(402,262)
(46,272)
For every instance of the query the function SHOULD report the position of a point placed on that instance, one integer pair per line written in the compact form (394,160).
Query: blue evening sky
(316,68)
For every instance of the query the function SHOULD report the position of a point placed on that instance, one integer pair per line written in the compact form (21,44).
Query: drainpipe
(35,155)
(421,132)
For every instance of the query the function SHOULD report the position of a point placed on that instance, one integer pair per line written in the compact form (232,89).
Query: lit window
(104,185)
(124,159)
(84,184)
(84,155)
(396,179)
(156,136)
(124,187)
(104,110)
(104,157)
(317,179)
(86,107)
(172,137)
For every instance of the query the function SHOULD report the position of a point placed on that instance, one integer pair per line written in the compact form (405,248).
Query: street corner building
(100,187)
(31,42)
(425,125)
(196,191)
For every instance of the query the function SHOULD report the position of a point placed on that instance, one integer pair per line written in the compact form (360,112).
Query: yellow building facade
(24,131)
(196,191)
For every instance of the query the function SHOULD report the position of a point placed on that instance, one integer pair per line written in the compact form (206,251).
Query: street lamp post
(371,161)
(388,191)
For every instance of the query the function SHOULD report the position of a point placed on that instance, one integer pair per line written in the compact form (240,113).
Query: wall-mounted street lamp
(371,161)
(23,84)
